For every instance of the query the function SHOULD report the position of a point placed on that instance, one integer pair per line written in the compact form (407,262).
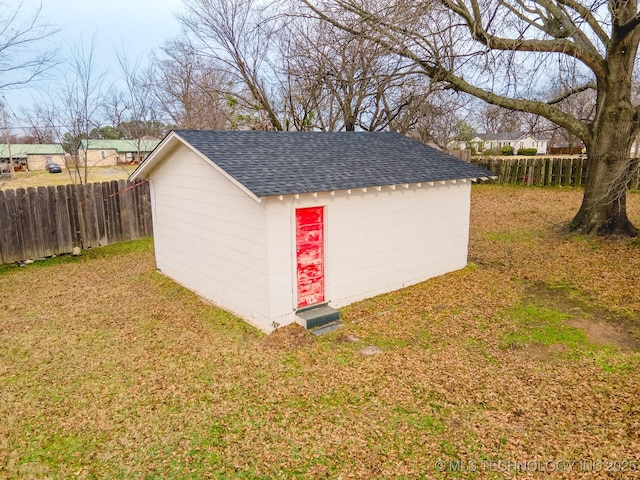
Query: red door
(310,255)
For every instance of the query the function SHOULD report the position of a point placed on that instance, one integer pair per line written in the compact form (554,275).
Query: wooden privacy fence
(45,221)
(570,171)
(543,171)
(565,171)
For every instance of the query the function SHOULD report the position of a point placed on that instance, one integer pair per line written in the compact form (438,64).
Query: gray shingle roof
(280,163)
(501,136)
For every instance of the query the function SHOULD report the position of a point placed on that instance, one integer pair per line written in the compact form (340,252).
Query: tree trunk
(604,205)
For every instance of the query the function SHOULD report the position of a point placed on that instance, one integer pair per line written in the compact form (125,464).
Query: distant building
(30,156)
(116,152)
(497,140)
(560,145)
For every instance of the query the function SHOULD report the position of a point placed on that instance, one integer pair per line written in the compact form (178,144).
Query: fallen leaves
(115,371)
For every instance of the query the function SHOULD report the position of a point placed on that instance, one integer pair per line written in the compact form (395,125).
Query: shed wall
(376,241)
(210,236)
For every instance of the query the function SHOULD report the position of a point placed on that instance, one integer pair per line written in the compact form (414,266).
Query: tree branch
(563,27)
(572,91)
(440,72)
(591,20)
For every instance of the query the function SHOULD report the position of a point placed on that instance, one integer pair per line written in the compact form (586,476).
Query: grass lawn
(529,354)
(38,178)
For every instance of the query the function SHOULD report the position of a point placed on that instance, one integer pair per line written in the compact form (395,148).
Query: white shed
(283,227)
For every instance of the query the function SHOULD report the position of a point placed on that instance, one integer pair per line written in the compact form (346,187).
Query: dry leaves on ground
(108,369)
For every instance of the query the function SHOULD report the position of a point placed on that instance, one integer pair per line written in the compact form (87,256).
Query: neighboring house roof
(280,163)
(508,136)
(20,150)
(120,146)
(563,143)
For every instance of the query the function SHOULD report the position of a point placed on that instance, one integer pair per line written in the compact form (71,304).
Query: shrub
(530,152)
(491,152)
(506,150)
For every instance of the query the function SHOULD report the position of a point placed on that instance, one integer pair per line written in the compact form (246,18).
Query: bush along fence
(46,221)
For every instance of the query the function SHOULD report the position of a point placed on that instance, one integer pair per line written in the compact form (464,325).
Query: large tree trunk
(604,205)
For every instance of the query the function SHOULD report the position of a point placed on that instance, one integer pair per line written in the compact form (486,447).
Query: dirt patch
(290,337)
(602,327)
(605,333)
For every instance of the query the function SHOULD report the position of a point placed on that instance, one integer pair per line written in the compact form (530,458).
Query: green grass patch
(59,449)
(127,248)
(612,362)
(545,326)
(433,424)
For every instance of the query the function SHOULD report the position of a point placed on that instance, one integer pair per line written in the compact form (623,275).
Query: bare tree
(133,109)
(582,106)
(505,52)
(21,33)
(36,128)
(238,34)
(188,89)
(494,119)
(21,59)
(336,81)
(73,110)
(433,118)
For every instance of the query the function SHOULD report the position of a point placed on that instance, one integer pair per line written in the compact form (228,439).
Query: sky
(135,27)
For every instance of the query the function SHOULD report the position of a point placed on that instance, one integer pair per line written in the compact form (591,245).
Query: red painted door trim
(310,256)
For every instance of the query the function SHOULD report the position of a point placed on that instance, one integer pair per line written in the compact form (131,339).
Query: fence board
(50,198)
(101,231)
(52,220)
(74,220)
(125,208)
(36,229)
(115,199)
(63,223)
(81,208)
(12,220)
(6,252)
(90,217)
(144,195)
(25,226)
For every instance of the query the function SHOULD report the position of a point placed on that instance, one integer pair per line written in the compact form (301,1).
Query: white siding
(530,141)
(215,239)
(376,242)
(210,236)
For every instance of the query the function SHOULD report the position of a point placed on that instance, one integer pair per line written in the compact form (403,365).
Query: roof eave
(169,143)
(378,188)
(165,146)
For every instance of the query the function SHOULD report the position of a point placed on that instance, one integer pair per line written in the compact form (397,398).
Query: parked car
(54,168)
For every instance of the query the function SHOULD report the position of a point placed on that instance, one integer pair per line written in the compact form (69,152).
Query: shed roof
(281,163)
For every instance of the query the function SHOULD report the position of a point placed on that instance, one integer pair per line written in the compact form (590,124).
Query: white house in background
(279,227)
(517,140)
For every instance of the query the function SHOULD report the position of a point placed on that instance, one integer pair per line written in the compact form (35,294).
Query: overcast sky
(136,27)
